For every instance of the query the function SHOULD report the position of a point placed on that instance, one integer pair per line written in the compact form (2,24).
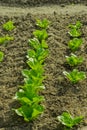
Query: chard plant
(68,121)
(74,60)
(1,56)
(75,44)
(28,94)
(75,76)
(9,26)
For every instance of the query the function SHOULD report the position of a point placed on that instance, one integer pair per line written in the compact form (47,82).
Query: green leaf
(77,120)
(75,76)
(5,39)
(41,54)
(75,43)
(29,112)
(75,33)
(67,120)
(34,43)
(40,34)
(73,60)
(31,54)
(43,23)
(38,110)
(76,26)
(44,44)
(8,26)
(25,111)
(1,56)
(26,73)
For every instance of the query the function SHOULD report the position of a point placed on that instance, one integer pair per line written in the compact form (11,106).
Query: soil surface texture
(24,3)
(60,95)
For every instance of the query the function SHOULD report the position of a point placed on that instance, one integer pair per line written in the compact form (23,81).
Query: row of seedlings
(8,26)
(74,44)
(29,94)
(74,76)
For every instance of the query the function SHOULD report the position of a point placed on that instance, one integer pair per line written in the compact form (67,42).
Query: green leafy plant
(5,39)
(75,76)
(75,29)
(73,60)
(39,55)
(68,121)
(78,25)
(30,101)
(1,56)
(8,26)
(36,44)
(75,33)
(43,23)
(75,43)
(40,34)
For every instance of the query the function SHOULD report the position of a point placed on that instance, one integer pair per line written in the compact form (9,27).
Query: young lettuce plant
(8,26)
(77,26)
(30,101)
(1,56)
(36,44)
(40,34)
(43,23)
(5,39)
(68,121)
(75,30)
(73,60)
(75,43)
(75,76)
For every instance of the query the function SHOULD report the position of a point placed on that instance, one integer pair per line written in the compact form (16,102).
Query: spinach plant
(73,60)
(75,43)
(28,94)
(68,121)
(1,56)
(74,76)
(9,25)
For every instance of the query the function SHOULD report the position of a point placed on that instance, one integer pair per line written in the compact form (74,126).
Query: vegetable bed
(60,94)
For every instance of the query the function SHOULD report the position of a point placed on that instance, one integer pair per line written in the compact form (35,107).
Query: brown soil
(60,94)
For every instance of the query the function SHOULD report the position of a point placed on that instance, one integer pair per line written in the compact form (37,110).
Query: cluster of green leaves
(74,76)
(75,43)
(42,23)
(68,121)
(9,26)
(74,60)
(75,33)
(5,39)
(28,94)
(75,29)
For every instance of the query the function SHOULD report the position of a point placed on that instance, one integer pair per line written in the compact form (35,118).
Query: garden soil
(60,95)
